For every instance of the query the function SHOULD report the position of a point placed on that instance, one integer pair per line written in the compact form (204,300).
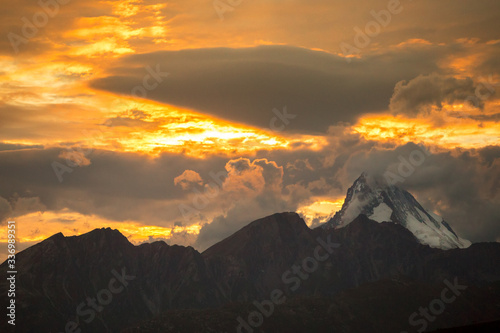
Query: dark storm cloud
(426,91)
(490,154)
(18,206)
(245,85)
(5,210)
(118,186)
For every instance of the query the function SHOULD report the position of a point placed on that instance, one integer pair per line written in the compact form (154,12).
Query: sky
(183,121)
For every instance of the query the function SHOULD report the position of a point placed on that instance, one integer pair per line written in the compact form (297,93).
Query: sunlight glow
(37,226)
(465,133)
(320,211)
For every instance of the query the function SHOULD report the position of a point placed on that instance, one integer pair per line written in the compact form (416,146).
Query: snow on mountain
(392,204)
(381,213)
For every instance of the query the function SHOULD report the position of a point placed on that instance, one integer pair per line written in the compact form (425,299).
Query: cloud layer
(224,194)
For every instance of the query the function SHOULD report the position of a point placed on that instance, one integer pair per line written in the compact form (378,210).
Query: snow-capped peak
(392,204)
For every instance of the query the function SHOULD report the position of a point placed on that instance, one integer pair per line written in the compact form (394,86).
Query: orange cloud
(449,133)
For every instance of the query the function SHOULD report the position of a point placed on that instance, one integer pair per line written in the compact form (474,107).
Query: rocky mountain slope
(382,306)
(389,203)
(99,282)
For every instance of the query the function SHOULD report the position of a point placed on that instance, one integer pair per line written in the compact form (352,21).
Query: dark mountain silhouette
(382,306)
(388,203)
(378,272)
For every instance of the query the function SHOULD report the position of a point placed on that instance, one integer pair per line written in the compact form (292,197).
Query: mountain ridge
(389,203)
(60,272)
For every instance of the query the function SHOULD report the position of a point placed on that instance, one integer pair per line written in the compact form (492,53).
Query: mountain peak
(362,177)
(390,203)
(366,180)
(361,181)
(267,232)
(57,236)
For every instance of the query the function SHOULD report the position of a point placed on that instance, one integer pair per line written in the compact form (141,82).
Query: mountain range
(366,270)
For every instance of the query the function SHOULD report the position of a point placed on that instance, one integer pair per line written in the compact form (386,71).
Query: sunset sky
(185,120)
